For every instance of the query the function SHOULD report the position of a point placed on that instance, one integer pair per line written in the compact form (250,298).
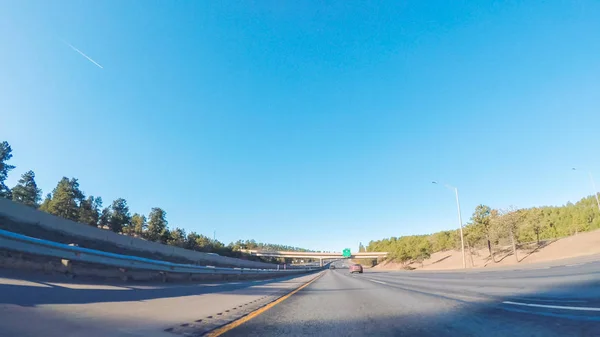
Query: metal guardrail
(26,244)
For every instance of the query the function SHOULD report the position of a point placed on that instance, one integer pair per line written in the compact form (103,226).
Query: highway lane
(539,301)
(543,302)
(583,264)
(569,282)
(33,305)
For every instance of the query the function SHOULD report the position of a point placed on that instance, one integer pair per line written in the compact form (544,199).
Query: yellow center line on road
(232,325)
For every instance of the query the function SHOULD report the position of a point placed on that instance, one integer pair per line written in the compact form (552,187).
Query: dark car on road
(356,268)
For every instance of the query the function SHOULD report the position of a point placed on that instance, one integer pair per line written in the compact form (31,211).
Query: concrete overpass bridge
(312,255)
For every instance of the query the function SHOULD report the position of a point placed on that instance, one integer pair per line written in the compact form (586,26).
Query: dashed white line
(452,296)
(552,306)
(549,300)
(574,264)
(466,297)
(380,282)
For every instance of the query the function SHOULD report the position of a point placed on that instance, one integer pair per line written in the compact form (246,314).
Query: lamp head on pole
(444,184)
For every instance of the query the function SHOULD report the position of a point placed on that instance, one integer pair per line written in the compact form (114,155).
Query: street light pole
(593,187)
(460,226)
(462,240)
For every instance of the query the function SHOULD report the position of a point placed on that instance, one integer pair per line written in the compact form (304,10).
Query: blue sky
(303,123)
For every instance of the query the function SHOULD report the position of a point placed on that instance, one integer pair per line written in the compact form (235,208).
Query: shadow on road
(387,310)
(57,290)
(339,304)
(472,322)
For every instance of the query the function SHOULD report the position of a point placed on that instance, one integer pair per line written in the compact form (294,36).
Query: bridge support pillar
(321,262)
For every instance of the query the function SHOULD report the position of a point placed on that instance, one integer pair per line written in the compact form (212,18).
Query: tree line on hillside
(68,201)
(491,228)
(253,245)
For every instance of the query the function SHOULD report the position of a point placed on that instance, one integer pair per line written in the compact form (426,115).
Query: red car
(356,268)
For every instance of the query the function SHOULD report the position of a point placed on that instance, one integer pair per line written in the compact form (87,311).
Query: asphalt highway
(560,301)
(34,305)
(542,300)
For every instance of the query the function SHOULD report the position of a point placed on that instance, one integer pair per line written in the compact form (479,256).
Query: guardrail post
(68,266)
(124,276)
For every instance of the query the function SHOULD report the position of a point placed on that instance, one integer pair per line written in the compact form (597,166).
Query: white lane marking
(16,282)
(574,264)
(450,296)
(552,306)
(380,282)
(549,300)
(467,297)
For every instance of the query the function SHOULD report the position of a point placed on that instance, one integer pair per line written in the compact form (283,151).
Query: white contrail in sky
(83,54)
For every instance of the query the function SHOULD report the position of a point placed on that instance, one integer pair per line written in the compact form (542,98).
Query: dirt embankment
(39,232)
(573,246)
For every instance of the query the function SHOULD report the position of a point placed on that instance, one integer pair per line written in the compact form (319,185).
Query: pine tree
(105,216)
(482,221)
(120,217)
(157,224)
(89,211)
(45,206)
(26,190)
(138,224)
(177,237)
(5,155)
(66,199)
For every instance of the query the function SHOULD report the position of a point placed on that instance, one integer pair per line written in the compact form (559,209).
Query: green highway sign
(346,252)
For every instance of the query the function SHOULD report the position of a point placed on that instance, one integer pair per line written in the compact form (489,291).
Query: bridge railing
(315,255)
(25,244)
